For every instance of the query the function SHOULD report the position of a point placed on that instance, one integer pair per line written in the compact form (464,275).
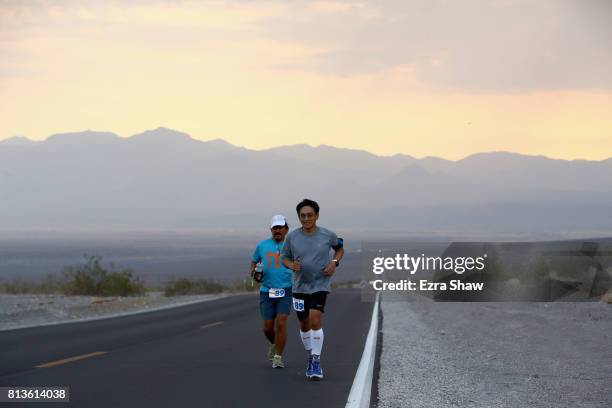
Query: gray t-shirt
(313,252)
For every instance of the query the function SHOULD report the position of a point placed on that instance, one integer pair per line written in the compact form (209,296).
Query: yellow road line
(70,359)
(206,326)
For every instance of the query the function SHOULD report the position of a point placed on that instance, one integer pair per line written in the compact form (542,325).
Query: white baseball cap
(278,220)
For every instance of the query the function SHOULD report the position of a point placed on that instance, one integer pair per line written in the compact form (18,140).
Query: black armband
(339,245)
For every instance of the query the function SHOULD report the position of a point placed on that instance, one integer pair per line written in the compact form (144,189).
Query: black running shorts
(311,301)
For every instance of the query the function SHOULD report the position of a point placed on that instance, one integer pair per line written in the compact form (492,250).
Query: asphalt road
(211,354)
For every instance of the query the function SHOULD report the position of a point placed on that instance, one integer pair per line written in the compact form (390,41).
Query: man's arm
(338,254)
(295,266)
(287,256)
(330,268)
(337,245)
(255,258)
(257,275)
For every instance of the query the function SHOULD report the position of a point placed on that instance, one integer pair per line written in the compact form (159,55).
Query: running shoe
(271,351)
(317,371)
(277,361)
(309,366)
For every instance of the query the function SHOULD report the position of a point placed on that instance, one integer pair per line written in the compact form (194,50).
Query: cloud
(471,45)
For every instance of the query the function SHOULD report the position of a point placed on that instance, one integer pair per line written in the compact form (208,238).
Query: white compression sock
(306,339)
(317,341)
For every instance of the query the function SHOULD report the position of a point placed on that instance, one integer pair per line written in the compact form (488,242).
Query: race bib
(298,305)
(276,293)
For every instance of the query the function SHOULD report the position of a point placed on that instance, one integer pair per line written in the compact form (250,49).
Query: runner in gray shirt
(307,253)
(312,250)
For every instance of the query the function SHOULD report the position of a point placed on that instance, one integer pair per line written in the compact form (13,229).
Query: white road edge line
(361,390)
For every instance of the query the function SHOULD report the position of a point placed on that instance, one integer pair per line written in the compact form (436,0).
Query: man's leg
(305,324)
(303,317)
(317,306)
(268,329)
(305,334)
(280,338)
(316,337)
(315,319)
(315,316)
(280,334)
(282,311)
(268,315)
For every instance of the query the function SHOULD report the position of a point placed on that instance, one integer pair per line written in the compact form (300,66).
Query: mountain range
(163,178)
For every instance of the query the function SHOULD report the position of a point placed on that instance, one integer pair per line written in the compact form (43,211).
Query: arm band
(339,245)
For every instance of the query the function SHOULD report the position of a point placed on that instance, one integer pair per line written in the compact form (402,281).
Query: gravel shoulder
(495,354)
(17,311)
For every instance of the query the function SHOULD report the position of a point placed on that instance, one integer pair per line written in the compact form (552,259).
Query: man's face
(308,217)
(279,232)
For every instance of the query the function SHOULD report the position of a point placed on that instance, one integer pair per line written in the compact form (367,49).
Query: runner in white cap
(275,291)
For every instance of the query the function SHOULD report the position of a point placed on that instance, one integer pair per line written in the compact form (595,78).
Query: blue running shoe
(309,367)
(317,371)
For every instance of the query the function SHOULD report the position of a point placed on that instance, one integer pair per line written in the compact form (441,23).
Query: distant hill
(17,141)
(165,179)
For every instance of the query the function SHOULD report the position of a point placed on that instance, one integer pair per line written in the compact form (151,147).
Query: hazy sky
(444,78)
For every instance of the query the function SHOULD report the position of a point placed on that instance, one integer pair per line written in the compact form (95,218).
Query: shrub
(91,279)
(246,285)
(17,287)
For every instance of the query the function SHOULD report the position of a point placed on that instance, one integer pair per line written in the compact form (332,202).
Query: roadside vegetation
(88,279)
(17,287)
(185,286)
(92,278)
